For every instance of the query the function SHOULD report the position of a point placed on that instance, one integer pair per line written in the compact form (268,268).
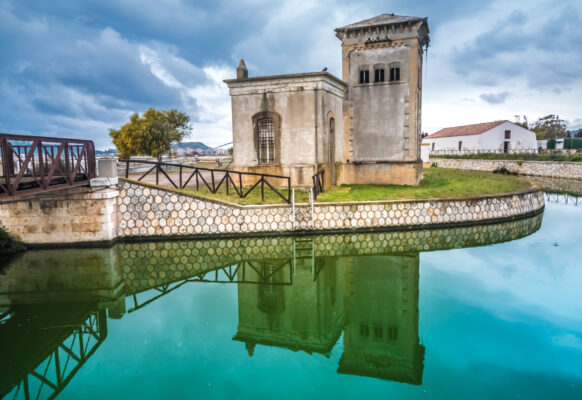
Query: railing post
(180,176)
(241,186)
(289,191)
(6,164)
(227,178)
(197,183)
(262,188)
(67,162)
(127,168)
(212,176)
(158,173)
(40,162)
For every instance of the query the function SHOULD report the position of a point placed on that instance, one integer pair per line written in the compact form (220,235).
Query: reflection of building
(373,299)
(381,335)
(306,315)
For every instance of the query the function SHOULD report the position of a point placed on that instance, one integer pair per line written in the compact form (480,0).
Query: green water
(468,313)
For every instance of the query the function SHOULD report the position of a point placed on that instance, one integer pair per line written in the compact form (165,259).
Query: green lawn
(438,183)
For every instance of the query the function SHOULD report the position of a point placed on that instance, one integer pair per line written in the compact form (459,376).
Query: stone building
(363,128)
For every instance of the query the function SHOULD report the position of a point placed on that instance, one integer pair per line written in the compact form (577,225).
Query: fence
(32,164)
(492,151)
(318,181)
(186,176)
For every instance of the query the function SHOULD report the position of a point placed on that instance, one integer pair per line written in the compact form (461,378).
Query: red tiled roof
(465,130)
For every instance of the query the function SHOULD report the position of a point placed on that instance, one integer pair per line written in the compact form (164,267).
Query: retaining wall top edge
(522,161)
(532,189)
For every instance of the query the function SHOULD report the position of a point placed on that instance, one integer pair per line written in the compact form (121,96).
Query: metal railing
(491,151)
(32,164)
(318,183)
(182,176)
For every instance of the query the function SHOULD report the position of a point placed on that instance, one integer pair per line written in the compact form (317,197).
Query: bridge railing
(31,164)
(182,176)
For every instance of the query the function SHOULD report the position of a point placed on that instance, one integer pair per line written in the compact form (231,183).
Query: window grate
(266,140)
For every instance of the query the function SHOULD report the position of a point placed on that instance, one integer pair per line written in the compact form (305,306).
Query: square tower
(382,65)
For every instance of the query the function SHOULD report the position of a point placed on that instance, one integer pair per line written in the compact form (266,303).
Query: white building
(497,136)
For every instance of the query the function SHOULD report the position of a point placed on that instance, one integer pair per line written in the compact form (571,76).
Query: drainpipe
(316,144)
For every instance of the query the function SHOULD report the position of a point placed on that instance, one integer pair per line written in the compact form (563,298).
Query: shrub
(8,242)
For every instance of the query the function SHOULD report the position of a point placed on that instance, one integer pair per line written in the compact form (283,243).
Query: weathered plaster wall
(305,103)
(571,170)
(67,216)
(148,211)
(382,120)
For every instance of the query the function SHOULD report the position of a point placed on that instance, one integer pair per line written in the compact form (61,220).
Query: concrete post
(107,170)
(107,167)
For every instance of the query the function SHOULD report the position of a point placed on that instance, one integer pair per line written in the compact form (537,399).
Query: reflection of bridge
(296,293)
(566,199)
(43,347)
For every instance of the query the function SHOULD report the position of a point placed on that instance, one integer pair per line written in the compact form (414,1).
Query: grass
(518,157)
(437,183)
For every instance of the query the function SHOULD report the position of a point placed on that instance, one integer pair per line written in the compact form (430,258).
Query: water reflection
(298,293)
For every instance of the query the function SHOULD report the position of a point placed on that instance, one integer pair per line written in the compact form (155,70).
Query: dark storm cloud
(495,98)
(546,56)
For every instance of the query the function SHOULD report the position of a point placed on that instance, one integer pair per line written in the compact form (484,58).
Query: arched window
(266,130)
(394,74)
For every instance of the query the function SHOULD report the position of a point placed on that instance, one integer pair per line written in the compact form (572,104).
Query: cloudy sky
(79,68)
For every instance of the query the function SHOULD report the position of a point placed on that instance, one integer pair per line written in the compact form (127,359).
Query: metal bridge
(32,164)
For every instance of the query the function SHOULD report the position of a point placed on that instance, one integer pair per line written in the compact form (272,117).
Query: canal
(477,312)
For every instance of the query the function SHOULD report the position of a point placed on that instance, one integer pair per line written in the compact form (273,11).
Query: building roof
(304,75)
(465,130)
(382,19)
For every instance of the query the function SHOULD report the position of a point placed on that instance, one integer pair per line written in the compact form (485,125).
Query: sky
(79,68)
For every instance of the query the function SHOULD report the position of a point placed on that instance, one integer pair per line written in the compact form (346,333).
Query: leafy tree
(550,127)
(577,133)
(151,134)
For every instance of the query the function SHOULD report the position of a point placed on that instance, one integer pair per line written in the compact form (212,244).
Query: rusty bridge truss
(32,164)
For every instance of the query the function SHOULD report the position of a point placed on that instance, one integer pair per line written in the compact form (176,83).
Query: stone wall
(66,216)
(571,170)
(146,210)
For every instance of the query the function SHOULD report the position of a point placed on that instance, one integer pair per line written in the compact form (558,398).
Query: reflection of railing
(236,273)
(33,164)
(213,179)
(51,375)
(318,183)
(563,199)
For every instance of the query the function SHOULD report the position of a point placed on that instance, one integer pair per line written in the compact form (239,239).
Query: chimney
(242,72)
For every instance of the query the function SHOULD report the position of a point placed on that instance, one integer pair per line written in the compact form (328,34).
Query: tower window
(364,76)
(379,75)
(394,74)
(266,140)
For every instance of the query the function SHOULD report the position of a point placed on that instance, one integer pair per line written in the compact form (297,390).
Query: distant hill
(191,145)
(105,152)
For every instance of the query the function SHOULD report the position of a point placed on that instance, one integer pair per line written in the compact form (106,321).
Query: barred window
(266,140)
(379,75)
(364,76)
(394,74)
